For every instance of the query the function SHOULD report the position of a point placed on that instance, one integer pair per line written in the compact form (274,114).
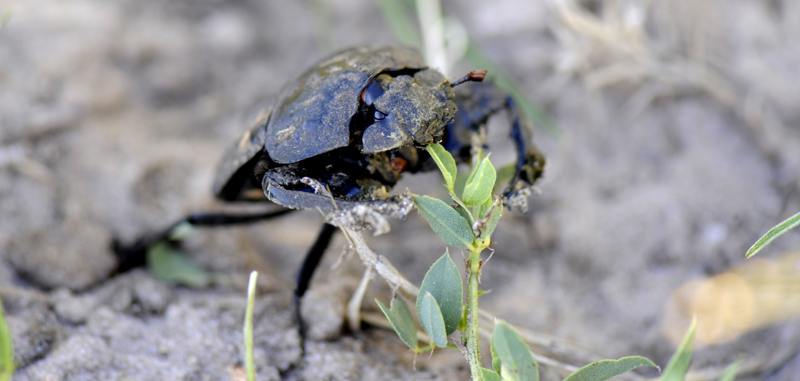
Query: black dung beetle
(340,136)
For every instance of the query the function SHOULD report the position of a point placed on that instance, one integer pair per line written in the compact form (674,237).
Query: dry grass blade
(615,47)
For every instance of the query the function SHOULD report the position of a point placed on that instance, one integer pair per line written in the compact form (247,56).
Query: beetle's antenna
(473,76)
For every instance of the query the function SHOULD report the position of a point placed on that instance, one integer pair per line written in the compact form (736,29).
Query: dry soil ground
(678,147)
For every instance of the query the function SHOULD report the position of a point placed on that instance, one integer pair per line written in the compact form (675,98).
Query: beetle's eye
(378,115)
(371,93)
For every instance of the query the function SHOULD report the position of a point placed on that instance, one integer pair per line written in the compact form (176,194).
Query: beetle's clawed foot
(517,200)
(533,168)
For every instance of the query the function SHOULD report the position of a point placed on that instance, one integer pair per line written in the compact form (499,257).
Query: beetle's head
(406,108)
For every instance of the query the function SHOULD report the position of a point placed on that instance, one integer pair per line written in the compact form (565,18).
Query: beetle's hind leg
(306,272)
(130,256)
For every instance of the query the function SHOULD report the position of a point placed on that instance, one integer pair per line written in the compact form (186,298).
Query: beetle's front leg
(476,103)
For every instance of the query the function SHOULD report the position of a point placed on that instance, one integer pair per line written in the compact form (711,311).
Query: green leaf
(172,266)
(403,323)
(461,182)
(248,327)
(485,207)
(6,349)
(464,214)
(445,221)
(504,175)
(445,162)
(487,224)
(477,158)
(515,357)
(180,231)
(605,369)
(679,363)
(730,373)
(479,187)
(489,375)
(773,233)
(443,282)
(430,317)
(496,364)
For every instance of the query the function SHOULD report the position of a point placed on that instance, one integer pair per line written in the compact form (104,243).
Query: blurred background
(670,128)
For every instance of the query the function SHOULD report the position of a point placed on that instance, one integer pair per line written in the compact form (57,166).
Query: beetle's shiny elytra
(345,117)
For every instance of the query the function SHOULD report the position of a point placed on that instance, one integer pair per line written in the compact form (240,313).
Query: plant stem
(473,347)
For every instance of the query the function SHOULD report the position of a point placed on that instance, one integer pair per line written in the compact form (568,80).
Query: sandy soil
(677,147)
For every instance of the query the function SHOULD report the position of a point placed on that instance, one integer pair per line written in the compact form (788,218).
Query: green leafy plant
(469,223)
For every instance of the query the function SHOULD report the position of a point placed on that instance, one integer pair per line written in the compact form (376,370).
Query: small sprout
(248,327)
